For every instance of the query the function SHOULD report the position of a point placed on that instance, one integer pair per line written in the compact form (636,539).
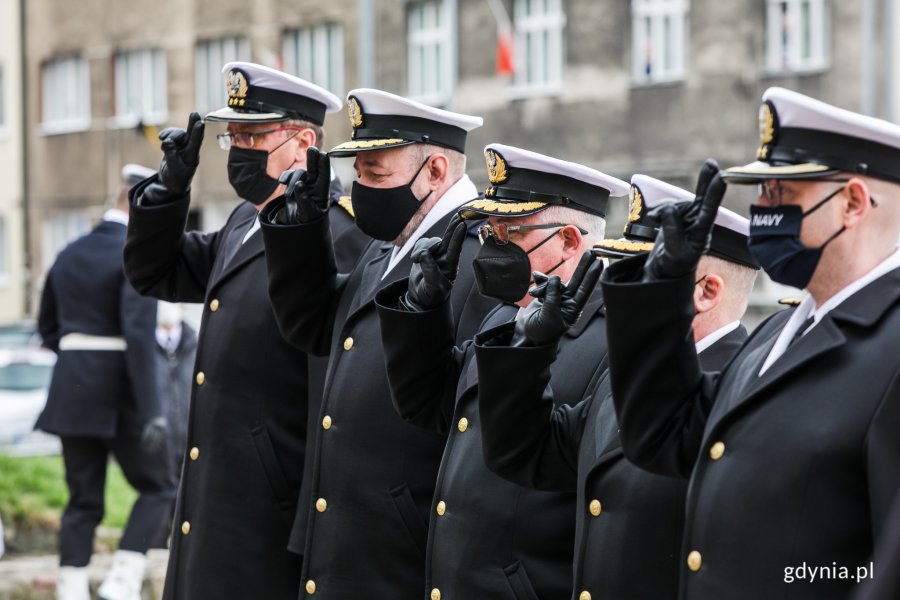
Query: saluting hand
(685,228)
(181,155)
(435,266)
(556,306)
(306,195)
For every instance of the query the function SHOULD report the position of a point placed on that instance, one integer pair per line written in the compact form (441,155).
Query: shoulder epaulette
(344,202)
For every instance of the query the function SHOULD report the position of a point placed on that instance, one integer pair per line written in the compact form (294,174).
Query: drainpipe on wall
(867,69)
(366,51)
(26,194)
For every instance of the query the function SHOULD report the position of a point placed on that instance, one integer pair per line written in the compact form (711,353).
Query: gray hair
(738,279)
(595,225)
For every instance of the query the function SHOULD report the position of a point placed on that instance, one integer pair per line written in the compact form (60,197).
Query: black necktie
(799,333)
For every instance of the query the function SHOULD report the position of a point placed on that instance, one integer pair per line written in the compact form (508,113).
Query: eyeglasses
(772,191)
(248,139)
(500,232)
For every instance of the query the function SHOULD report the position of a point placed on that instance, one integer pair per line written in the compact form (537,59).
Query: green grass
(34,488)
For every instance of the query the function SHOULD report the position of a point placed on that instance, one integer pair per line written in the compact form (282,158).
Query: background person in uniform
(176,350)
(488,536)
(792,449)
(102,400)
(373,477)
(628,522)
(247,428)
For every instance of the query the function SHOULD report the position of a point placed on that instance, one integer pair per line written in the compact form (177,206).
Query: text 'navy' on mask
(775,242)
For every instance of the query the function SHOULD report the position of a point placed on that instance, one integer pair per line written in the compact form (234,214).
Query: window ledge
(655,83)
(64,127)
(798,72)
(521,92)
(132,121)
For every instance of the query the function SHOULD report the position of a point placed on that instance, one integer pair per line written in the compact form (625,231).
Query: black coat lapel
(243,254)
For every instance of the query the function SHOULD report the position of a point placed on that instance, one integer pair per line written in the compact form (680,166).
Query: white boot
(125,578)
(72,584)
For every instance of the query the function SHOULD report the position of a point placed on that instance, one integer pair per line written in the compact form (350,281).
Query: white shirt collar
(716,335)
(253,229)
(116,216)
(807,307)
(461,192)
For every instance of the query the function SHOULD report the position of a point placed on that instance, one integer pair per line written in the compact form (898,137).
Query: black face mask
(775,242)
(503,271)
(247,173)
(382,213)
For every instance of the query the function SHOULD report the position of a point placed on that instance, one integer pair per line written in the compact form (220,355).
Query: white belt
(84,341)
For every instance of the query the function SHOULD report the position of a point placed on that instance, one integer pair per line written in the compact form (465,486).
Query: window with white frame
(796,35)
(4,251)
(430,52)
(316,54)
(141,86)
(211,56)
(2,101)
(65,93)
(658,40)
(539,54)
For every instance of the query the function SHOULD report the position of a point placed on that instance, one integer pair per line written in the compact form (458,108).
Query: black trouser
(148,473)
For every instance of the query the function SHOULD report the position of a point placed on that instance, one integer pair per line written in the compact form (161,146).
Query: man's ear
(438,168)
(572,240)
(711,292)
(858,205)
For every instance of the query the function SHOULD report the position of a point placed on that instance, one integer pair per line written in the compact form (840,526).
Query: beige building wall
(74,175)
(12,228)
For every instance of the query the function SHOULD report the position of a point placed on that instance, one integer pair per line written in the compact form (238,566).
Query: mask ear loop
(817,207)
(541,243)
(413,180)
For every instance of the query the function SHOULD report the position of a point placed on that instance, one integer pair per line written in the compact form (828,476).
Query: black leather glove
(556,307)
(685,228)
(154,434)
(306,195)
(435,264)
(181,155)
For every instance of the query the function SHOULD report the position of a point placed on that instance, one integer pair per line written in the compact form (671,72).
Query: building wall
(12,272)
(598,117)
(85,165)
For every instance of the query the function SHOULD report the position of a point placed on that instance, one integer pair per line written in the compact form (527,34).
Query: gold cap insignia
(356,117)
(496,167)
(635,204)
(766,129)
(237,87)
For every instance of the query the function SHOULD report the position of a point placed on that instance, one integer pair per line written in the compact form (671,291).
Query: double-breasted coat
(373,474)
(247,427)
(487,537)
(98,393)
(628,522)
(795,468)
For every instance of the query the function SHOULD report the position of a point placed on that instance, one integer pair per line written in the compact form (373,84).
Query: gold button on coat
(214,305)
(201,377)
(195,453)
(435,594)
(463,424)
(348,343)
(326,422)
(694,561)
(321,505)
(585,595)
(595,507)
(441,508)
(185,528)
(717,450)
(310,587)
